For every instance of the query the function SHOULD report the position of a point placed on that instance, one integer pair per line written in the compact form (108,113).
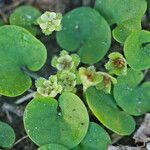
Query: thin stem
(24,98)
(29,73)
(17,142)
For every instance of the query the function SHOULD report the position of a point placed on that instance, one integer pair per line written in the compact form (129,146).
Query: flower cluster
(65,79)
(117,64)
(68,76)
(48,87)
(102,81)
(65,61)
(49,22)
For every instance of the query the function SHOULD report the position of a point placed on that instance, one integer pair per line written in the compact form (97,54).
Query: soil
(11,112)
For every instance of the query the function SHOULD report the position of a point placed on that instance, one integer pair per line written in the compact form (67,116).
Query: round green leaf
(86,32)
(105,109)
(64,122)
(118,11)
(7,135)
(124,29)
(137,50)
(25,16)
(18,48)
(96,139)
(130,96)
(52,147)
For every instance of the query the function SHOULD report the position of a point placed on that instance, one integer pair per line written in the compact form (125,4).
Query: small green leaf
(130,96)
(25,16)
(52,147)
(105,109)
(7,135)
(62,122)
(137,50)
(124,29)
(90,38)
(18,49)
(96,139)
(118,11)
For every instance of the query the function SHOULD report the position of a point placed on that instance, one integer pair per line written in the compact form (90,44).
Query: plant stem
(30,73)
(24,98)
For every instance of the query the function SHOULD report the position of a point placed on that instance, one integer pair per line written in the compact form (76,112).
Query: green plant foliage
(18,48)
(105,109)
(90,38)
(117,64)
(7,135)
(65,61)
(52,147)
(49,22)
(96,139)
(25,16)
(62,122)
(137,50)
(89,76)
(124,29)
(118,11)
(48,87)
(106,83)
(130,96)
(126,14)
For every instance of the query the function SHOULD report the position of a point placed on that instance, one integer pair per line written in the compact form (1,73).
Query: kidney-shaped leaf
(137,50)
(25,16)
(7,135)
(106,111)
(64,122)
(52,147)
(85,31)
(96,139)
(124,29)
(117,11)
(130,96)
(18,49)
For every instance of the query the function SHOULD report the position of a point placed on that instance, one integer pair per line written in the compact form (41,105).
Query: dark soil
(12,113)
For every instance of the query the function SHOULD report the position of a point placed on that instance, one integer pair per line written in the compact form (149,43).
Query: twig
(20,140)
(30,73)
(12,109)
(4,17)
(14,5)
(24,98)
(115,138)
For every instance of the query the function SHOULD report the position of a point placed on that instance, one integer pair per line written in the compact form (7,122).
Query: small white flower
(49,22)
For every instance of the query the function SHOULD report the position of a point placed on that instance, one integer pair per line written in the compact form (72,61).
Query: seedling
(126,14)
(56,118)
(7,135)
